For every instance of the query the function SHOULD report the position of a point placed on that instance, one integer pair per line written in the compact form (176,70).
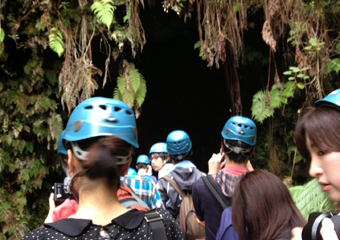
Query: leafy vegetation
(301,54)
(310,198)
(37,84)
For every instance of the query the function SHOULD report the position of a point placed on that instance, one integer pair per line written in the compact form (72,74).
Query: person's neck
(99,204)
(142,172)
(230,163)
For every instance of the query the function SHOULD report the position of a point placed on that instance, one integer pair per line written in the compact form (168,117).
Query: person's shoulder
(47,232)
(198,183)
(39,233)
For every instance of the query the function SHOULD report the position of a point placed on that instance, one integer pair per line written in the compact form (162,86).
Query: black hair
(236,157)
(102,161)
(162,155)
(142,165)
(180,157)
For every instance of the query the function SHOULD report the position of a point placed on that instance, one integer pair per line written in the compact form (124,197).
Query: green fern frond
(56,41)
(276,100)
(128,15)
(289,89)
(121,84)
(2,35)
(310,198)
(103,10)
(128,97)
(259,109)
(117,94)
(135,79)
(141,93)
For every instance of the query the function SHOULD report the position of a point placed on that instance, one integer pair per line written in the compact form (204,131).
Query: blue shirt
(145,189)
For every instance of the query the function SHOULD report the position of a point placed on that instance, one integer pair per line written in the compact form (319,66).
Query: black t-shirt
(130,225)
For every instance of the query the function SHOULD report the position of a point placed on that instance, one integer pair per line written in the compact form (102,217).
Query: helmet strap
(180,157)
(78,152)
(82,154)
(237,149)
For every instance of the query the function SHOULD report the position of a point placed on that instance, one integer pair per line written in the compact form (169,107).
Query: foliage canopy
(46,65)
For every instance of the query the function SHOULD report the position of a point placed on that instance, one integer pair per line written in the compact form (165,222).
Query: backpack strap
(216,191)
(175,186)
(155,220)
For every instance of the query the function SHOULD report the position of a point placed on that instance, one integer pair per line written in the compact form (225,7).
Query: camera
(59,193)
(312,229)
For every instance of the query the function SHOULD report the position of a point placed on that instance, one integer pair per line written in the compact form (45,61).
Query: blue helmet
(240,128)
(61,148)
(131,171)
(332,100)
(160,147)
(99,116)
(178,142)
(143,159)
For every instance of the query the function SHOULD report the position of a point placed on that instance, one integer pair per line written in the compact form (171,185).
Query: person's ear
(71,161)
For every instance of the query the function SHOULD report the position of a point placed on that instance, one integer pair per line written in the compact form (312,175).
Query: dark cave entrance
(182,92)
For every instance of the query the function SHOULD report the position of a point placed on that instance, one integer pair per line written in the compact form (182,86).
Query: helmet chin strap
(180,157)
(82,154)
(237,149)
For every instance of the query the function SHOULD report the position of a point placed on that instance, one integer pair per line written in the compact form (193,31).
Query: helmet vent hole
(128,112)
(240,125)
(233,123)
(89,107)
(251,128)
(245,126)
(117,109)
(102,107)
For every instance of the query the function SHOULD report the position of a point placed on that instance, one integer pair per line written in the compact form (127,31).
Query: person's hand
(296,233)
(52,207)
(215,163)
(327,230)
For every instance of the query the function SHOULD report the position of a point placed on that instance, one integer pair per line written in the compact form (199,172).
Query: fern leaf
(103,10)
(117,94)
(141,93)
(135,79)
(310,198)
(2,35)
(276,100)
(56,41)
(128,15)
(128,97)
(259,109)
(121,84)
(289,89)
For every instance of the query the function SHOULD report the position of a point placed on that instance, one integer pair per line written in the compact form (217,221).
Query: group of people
(232,201)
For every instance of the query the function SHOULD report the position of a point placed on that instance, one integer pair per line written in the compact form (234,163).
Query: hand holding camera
(321,225)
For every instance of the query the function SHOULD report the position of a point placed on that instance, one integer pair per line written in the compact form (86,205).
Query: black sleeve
(196,200)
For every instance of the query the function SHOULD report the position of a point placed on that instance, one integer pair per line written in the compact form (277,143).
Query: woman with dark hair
(317,138)
(100,137)
(262,209)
